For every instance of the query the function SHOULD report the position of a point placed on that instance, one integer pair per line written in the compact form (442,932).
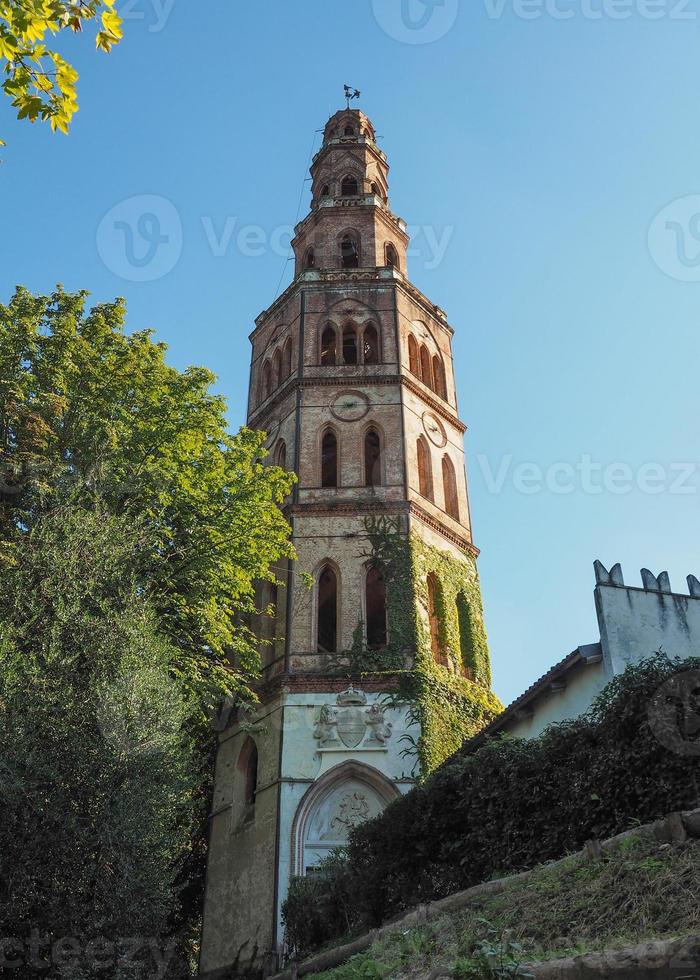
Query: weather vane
(351,93)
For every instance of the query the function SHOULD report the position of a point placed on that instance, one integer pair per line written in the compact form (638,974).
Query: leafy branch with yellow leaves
(40,83)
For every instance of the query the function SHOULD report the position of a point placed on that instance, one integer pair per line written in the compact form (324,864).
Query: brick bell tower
(352,379)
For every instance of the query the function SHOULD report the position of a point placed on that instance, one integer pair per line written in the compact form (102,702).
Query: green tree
(40,83)
(88,412)
(97,776)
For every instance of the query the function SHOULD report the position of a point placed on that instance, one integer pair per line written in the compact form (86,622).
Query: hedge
(502,805)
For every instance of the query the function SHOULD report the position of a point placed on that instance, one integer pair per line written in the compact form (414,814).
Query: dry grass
(642,891)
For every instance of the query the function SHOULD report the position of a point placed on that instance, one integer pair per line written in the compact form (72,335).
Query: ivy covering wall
(450,703)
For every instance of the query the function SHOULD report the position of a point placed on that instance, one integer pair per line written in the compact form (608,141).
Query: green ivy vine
(453,702)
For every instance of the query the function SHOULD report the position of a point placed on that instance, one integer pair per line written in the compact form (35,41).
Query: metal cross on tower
(351,93)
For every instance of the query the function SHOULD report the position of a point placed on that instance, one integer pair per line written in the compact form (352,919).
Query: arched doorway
(342,798)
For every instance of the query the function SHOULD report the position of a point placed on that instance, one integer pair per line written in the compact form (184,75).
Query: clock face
(434,429)
(350,406)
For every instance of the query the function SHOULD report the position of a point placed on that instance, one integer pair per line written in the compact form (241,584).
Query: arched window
(327,626)
(325,190)
(373,459)
(435,610)
(349,345)
(375,605)
(281,454)
(349,253)
(310,258)
(370,345)
(329,459)
(349,131)
(439,376)
(449,488)
(328,346)
(426,370)
(266,380)
(375,190)
(466,640)
(349,187)
(287,359)
(392,256)
(248,769)
(425,471)
(277,368)
(413,361)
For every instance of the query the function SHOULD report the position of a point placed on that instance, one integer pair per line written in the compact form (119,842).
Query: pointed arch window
(435,610)
(281,454)
(426,370)
(266,380)
(328,343)
(310,258)
(349,253)
(425,470)
(349,187)
(392,256)
(329,459)
(277,368)
(248,769)
(370,345)
(349,131)
(375,606)
(466,640)
(349,344)
(449,488)
(287,359)
(439,377)
(413,360)
(327,617)
(373,458)
(325,190)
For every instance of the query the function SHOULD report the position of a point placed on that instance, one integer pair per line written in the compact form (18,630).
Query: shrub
(501,805)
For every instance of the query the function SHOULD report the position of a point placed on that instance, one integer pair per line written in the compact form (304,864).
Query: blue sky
(538,147)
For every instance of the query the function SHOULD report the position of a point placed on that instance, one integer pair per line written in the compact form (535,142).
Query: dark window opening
(325,190)
(425,475)
(426,367)
(434,612)
(449,485)
(370,345)
(327,611)
(349,254)
(281,455)
(328,346)
(329,460)
(466,640)
(349,131)
(266,380)
(248,766)
(413,362)
(287,359)
(439,377)
(373,459)
(349,346)
(349,187)
(375,602)
(392,257)
(310,259)
(277,368)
